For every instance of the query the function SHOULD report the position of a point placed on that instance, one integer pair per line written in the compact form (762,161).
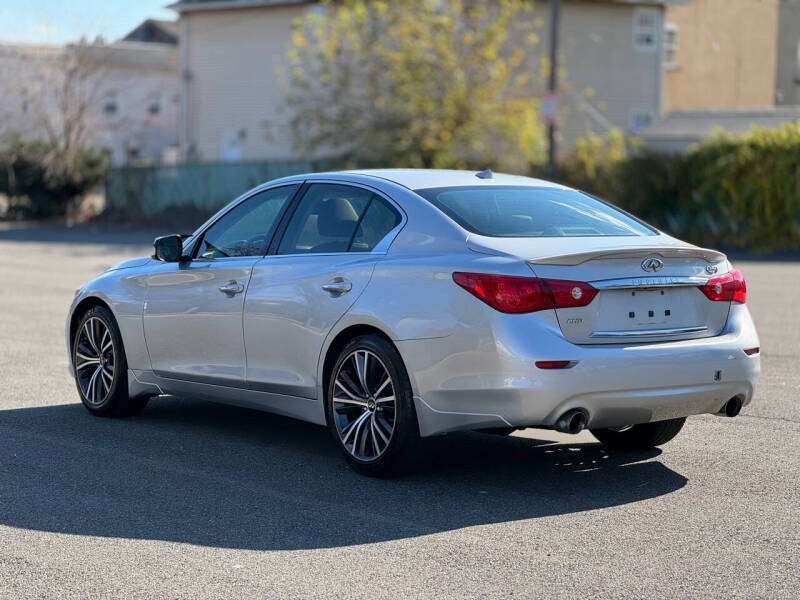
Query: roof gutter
(208,5)
(211,5)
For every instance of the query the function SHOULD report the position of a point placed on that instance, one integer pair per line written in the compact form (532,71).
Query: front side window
(245,230)
(516,211)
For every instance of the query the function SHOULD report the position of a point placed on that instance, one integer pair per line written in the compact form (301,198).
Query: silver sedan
(393,304)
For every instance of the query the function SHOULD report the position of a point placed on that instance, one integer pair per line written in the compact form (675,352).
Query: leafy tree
(425,83)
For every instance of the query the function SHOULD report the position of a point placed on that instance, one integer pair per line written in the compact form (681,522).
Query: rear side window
(378,220)
(335,218)
(532,212)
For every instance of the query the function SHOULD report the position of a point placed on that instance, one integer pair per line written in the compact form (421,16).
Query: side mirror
(169,248)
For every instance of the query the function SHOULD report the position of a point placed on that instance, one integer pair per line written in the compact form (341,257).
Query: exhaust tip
(573,421)
(733,407)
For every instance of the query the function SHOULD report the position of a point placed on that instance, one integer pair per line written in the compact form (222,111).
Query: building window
(132,154)
(670,45)
(110,103)
(154,104)
(645,29)
(797,66)
(639,118)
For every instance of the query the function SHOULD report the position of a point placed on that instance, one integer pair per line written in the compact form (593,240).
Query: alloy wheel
(364,405)
(94,361)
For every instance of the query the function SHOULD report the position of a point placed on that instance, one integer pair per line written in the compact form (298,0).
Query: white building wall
(138,75)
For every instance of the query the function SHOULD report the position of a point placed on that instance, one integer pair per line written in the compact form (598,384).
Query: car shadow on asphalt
(201,473)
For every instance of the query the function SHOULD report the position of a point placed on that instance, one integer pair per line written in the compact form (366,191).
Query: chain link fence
(187,193)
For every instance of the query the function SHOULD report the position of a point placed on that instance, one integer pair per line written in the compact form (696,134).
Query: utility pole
(550,111)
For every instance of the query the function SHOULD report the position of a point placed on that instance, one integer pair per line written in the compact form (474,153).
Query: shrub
(40,187)
(730,191)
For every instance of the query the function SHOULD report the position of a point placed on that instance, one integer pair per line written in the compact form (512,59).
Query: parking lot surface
(197,500)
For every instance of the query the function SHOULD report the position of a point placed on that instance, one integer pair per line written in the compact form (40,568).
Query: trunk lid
(648,287)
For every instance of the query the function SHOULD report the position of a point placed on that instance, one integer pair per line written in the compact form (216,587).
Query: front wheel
(640,437)
(100,366)
(370,407)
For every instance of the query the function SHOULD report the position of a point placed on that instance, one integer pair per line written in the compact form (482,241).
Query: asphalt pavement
(197,500)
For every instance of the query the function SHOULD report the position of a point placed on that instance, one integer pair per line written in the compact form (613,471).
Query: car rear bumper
(479,379)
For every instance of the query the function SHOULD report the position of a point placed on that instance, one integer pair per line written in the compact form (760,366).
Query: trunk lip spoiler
(577,258)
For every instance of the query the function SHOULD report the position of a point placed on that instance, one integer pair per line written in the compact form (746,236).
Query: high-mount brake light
(729,287)
(516,295)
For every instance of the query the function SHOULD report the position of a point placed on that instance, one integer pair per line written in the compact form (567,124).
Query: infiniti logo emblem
(652,264)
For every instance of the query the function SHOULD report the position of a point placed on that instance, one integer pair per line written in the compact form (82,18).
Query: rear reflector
(525,294)
(751,351)
(553,364)
(726,288)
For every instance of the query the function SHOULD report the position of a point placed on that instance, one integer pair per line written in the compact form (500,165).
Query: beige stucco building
(720,54)
(233,107)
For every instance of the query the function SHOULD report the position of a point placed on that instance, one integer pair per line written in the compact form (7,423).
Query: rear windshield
(532,212)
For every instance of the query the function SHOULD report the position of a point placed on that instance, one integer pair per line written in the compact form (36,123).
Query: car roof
(420,179)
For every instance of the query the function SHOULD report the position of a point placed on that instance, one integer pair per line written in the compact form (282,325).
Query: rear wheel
(100,366)
(640,437)
(370,407)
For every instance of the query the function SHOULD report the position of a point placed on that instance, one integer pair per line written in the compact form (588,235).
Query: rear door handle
(337,286)
(232,287)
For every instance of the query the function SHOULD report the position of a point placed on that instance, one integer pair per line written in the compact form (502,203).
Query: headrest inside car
(337,218)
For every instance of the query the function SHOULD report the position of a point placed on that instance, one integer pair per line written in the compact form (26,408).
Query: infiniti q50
(390,305)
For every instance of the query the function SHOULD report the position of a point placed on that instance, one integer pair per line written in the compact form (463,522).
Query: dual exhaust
(575,420)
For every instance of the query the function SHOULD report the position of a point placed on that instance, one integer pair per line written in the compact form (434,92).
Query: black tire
(112,399)
(640,437)
(397,455)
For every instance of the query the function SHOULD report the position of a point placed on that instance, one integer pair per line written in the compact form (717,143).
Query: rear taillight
(726,288)
(525,294)
(568,294)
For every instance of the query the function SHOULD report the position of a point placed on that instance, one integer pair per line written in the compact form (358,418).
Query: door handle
(232,287)
(337,286)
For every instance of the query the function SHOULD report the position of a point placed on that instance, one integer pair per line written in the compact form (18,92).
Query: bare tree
(56,91)
(47,119)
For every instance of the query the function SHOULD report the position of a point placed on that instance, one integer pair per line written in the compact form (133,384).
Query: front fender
(124,293)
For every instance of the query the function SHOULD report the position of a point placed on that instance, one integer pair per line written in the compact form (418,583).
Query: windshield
(532,212)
